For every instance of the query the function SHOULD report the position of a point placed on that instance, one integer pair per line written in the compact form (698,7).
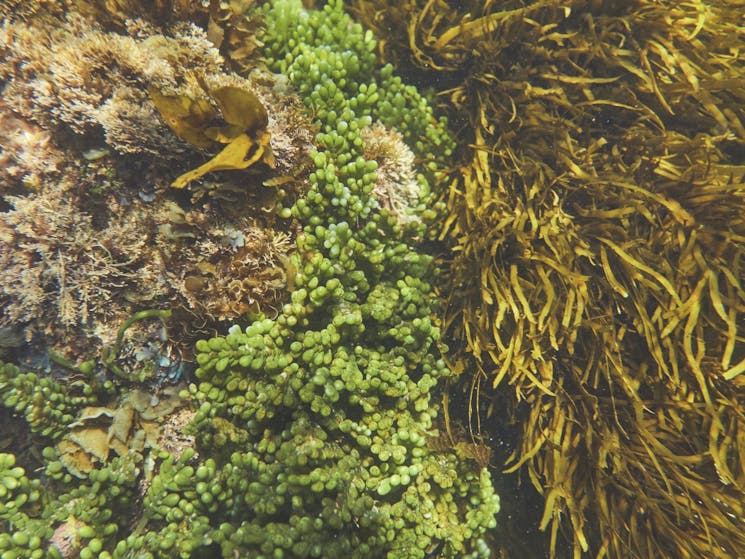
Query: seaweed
(244,129)
(595,226)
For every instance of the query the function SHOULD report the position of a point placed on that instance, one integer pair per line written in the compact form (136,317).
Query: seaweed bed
(288,279)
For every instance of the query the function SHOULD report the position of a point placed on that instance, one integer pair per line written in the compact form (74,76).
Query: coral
(596,226)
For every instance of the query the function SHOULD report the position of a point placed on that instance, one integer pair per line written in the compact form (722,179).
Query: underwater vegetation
(310,431)
(90,233)
(244,129)
(596,223)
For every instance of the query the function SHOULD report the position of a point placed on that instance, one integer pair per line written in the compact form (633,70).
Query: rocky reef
(312,431)
(91,230)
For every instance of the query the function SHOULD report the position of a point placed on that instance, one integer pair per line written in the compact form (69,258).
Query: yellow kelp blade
(185,116)
(264,148)
(241,107)
(232,157)
(223,134)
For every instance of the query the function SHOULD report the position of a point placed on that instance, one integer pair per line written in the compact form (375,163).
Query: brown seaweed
(596,222)
(243,128)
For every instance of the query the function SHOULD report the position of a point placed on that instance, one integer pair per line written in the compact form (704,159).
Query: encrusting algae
(596,223)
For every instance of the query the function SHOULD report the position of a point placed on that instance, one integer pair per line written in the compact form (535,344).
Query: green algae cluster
(47,405)
(312,429)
